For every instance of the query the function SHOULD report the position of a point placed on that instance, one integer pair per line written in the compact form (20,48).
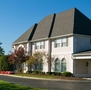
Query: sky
(17,16)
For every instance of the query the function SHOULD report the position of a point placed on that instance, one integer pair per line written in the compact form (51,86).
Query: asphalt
(43,78)
(49,84)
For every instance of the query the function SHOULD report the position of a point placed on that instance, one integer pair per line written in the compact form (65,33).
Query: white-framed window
(63,65)
(64,42)
(37,45)
(57,65)
(38,67)
(42,45)
(57,43)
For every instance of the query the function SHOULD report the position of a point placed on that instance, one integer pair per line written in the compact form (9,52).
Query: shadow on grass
(11,86)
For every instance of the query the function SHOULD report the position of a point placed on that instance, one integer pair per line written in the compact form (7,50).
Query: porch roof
(83,53)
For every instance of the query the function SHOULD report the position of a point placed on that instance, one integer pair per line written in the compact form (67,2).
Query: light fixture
(87,64)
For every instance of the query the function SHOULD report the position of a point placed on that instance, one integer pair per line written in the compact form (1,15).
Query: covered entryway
(82,64)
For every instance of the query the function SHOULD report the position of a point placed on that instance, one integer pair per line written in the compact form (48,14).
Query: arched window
(57,65)
(63,65)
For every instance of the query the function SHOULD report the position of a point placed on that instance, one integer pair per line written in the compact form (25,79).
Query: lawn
(49,76)
(11,86)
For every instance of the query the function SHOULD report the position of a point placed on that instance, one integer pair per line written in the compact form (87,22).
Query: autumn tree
(1,50)
(36,59)
(18,57)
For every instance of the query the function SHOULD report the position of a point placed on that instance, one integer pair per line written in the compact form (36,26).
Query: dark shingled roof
(43,28)
(69,22)
(64,23)
(27,35)
(83,53)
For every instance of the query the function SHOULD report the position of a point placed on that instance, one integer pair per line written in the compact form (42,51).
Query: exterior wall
(81,70)
(63,52)
(45,64)
(81,43)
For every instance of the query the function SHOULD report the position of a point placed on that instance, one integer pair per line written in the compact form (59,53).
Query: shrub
(34,72)
(4,64)
(48,73)
(67,74)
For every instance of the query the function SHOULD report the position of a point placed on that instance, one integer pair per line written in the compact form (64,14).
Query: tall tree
(1,50)
(18,57)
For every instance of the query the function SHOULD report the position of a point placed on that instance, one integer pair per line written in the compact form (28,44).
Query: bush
(67,74)
(4,64)
(28,72)
(54,73)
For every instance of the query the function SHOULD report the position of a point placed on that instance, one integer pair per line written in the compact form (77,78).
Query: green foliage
(11,86)
(54,73)
(4,64)
(67,74)
(1,50)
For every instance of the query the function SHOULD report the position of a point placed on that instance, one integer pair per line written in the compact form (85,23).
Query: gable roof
(68,22)
(27,35)
(43,28)
(64,23)
(71,22)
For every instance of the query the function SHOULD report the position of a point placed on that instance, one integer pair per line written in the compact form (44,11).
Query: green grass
(48,76)
(10,86)
(37,76)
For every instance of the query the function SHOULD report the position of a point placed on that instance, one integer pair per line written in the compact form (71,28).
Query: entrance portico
(82,64)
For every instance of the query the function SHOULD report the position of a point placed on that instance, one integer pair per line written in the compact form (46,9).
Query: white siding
(63,52)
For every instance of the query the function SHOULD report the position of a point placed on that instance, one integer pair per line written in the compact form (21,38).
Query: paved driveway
(49,84)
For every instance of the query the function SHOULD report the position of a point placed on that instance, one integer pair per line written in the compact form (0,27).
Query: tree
(4,64)
(18,57)
(36,59)
(1,50)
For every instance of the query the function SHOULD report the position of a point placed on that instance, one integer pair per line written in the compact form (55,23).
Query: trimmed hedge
(67,74)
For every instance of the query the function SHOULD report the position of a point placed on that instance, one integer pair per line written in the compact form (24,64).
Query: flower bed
(7,72)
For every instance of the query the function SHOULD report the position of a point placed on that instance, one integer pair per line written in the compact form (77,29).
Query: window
(64,42)
(63,65)
(41,44)
(39,67)
(57,43)
(57,65)
(37,44)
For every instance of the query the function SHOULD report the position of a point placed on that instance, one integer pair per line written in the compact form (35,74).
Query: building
(67,37)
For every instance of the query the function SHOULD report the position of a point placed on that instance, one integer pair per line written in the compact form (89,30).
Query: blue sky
(16,16)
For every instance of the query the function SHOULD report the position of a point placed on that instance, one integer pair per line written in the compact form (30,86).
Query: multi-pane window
(64,42)
(63,65)
(57,65)
(57,43)
(38,67)
(41,44)
(37,44)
